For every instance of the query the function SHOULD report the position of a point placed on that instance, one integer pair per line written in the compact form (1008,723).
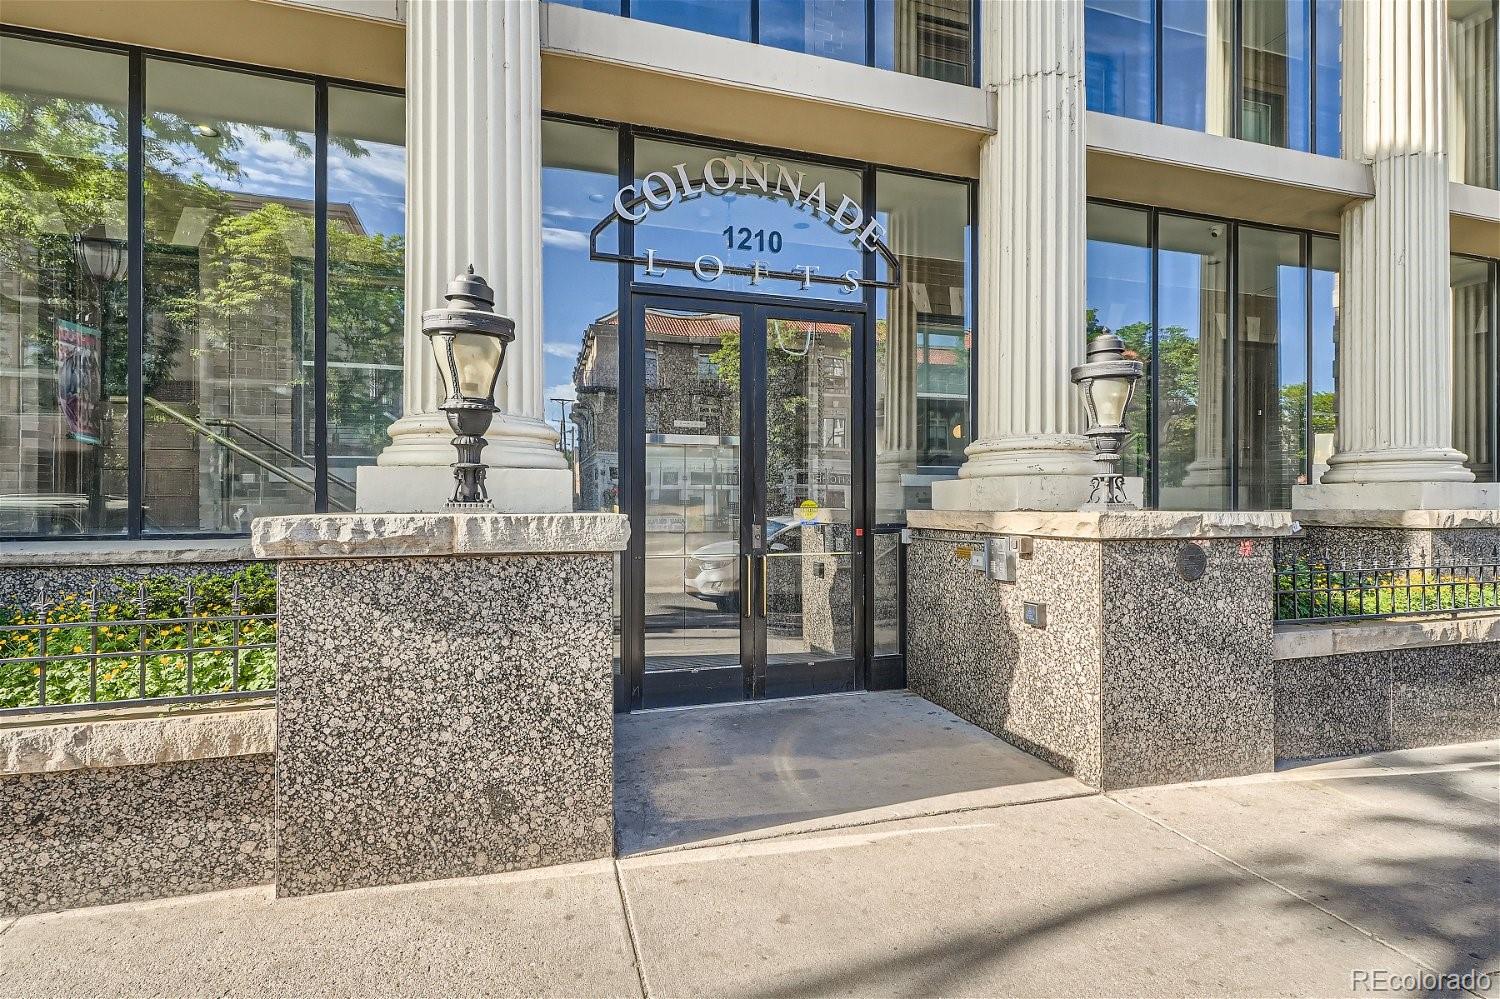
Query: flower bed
(163,637)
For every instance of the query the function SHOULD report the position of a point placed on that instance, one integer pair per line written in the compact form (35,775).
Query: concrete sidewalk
(1286,884)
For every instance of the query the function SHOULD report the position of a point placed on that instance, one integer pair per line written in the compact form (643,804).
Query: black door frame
(756,680)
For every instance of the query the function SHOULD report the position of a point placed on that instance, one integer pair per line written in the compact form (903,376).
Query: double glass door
(747,553)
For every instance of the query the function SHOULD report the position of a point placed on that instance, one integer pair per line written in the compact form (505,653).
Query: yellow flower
(77,649)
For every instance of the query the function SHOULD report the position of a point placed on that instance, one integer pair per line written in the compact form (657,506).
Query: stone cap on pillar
(418,535)
(1109,525)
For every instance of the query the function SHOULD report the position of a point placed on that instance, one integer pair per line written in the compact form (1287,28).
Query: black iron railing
(153,641)
(1322,588)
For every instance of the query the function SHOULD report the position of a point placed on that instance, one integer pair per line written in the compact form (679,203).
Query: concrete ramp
(728,773)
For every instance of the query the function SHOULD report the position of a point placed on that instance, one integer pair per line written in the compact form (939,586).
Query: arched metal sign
(661,189)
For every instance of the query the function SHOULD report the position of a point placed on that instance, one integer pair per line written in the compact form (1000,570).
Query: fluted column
(1393,447)
(473,196)
(1028,452)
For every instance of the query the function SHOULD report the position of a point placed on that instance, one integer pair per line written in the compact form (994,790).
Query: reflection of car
(712,572)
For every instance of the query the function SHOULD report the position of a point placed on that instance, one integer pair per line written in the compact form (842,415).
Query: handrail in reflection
(203,430)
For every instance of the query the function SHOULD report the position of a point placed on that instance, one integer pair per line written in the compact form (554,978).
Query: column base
(1018,492)
(425,439)
(427,489)
(1350,496)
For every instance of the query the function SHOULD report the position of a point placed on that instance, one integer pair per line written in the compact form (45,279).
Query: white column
(473,196)
(1028,452)
(1393,448)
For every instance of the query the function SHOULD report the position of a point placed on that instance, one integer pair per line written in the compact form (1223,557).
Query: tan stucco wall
(262,34)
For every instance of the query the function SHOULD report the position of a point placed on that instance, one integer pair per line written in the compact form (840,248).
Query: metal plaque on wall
(1192,561)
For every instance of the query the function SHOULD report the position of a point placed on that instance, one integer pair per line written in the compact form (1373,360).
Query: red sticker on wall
(1246,547)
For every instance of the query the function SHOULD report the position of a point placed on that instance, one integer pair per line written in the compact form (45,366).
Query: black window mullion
(1494,371)
(631,466)
(1230,374)
(320,298)
(1158,13)
(1308,438)
(755,21)
(1237,58)
(135,242)
(1312,132)
(869,32)
(1153,402)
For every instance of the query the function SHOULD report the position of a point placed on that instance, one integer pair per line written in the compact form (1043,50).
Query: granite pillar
(444,698)
(1130,671)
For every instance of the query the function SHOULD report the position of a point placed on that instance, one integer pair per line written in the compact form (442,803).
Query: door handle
(765,585)
(747,586)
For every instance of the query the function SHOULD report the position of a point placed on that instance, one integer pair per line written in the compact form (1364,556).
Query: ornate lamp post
(1107,380)
(469,341)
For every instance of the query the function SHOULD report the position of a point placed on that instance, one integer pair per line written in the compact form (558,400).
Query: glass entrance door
(747,559)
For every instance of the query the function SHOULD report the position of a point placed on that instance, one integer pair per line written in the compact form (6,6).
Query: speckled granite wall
(1391,699)
(1188,675)
(442,717)
(118,834)
(969,650)
(1140,677)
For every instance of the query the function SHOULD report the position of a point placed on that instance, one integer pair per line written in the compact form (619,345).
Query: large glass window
(1192,287)
(1276,60)
(1119,301)
(834,29)
(1323,411)
(1120,57)
(238,416)
(1240,419)
(229,297)
(931,38)
(1270,377)
(1474,120)
(923,343)
(580,312)
(1473,288)
(63,333)
(366,279)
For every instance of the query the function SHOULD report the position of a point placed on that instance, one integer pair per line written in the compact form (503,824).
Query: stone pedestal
(1132,674)
(444,694)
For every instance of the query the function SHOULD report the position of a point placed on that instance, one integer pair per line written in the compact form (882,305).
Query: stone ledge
(1339,638)
(396,535)
(135,737)
(1420,520)
(179,551)
(1095,525)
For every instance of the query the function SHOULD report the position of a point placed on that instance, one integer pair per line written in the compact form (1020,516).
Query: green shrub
(1375,593)
(142,658)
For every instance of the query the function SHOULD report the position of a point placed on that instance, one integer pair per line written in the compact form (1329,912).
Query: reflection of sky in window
(575,290)
(266,164)
(834,29)
(730,18)
(1119,72)
(374,184)
(1324,287)
(1118,289)
(1291,320)
(1182,287)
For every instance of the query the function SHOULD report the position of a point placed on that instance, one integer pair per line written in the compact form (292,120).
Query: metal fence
(156,641)
(1313,588)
